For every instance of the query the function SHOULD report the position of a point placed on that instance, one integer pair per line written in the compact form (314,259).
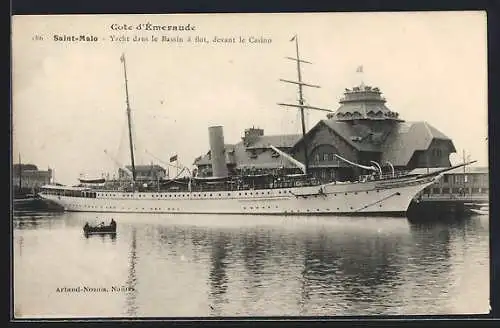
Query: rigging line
(122,139)
(137,142)
(178,175)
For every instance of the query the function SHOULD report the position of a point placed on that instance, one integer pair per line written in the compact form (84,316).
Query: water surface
(188,265)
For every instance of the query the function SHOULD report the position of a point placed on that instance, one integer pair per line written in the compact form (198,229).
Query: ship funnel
(217,151)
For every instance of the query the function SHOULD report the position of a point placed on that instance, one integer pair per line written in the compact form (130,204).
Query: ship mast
(122,58)
(301,101)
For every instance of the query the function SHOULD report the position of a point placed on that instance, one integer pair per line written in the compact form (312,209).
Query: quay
(453,195)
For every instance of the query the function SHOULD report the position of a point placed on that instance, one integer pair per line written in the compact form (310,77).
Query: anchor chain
(378,201)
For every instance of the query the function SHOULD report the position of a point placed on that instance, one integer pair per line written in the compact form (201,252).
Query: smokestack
(218,156)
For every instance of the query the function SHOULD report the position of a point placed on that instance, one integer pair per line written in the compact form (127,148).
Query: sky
(69,97)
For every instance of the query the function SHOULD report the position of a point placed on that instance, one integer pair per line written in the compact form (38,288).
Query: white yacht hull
(385,197)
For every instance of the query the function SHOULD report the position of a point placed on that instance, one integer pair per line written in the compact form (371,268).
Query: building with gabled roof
(363,129)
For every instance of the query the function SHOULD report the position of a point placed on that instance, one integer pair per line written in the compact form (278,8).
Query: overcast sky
(69,98)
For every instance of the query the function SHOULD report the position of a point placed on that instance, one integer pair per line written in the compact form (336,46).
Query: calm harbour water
(186,265)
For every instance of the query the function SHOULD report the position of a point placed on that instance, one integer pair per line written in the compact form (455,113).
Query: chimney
(252,135)
(217,151)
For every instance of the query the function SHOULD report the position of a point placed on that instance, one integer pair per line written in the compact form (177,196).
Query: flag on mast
(294,37)
(173,159)
(122,57)
(359,69)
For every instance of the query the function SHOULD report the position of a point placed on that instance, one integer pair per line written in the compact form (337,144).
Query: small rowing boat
(100,229)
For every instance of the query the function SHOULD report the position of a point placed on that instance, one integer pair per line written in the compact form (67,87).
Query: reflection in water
(102,236)
(27,222)
(198,266)
(35,220)
(218,276)
(254,253)
(131,284)
(351,269)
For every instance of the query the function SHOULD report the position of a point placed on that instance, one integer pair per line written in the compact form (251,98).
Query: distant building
(471,181)
(27,176)
(363,129)
(143,172)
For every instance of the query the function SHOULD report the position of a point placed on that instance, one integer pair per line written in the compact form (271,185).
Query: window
(446,190)
(317,157)
(436,190)
(325,157)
